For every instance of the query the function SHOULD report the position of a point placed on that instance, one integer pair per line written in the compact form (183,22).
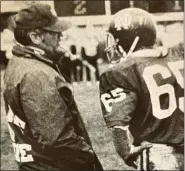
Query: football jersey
(146,94)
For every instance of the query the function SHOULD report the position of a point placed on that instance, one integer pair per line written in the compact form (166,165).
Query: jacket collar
(40,54)
(35,53)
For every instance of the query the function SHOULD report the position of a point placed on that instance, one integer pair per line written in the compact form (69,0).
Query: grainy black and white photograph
(92,85)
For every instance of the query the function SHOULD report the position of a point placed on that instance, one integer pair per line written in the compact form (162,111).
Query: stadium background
(86,41)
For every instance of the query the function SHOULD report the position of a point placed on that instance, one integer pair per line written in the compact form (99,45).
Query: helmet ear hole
(117,40)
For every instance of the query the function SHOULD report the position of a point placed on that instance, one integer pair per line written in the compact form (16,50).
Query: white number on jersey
(157,91)
(21,150)
(115,96)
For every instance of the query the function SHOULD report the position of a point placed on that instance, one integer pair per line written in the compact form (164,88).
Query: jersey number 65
(156,91)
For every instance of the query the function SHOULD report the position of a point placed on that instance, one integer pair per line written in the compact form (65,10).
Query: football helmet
(129,30)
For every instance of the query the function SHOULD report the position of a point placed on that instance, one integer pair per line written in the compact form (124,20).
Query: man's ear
(35,37)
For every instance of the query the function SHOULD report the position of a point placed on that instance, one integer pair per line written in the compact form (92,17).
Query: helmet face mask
(113,51)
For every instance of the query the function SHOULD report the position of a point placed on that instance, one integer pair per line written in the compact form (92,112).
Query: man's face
(50,43)
(47,41)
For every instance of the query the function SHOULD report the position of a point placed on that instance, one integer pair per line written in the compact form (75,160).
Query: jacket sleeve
(118,99)
(47,114)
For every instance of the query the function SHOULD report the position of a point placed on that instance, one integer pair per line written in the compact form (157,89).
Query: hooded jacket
(45,125)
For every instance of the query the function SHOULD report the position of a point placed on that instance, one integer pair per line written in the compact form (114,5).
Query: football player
(142,95)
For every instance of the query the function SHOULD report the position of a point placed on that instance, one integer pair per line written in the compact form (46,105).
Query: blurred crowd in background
(84,46)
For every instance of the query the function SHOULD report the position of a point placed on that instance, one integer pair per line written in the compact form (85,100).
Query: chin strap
(124,54)
(133,46)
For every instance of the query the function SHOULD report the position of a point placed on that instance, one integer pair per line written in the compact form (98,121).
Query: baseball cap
(39,15)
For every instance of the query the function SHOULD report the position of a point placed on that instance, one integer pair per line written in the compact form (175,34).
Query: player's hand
(131,159)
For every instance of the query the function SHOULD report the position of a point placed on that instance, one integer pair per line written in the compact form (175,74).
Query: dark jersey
(148,95)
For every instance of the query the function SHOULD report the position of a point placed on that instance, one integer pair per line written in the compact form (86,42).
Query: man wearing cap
(46,128)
